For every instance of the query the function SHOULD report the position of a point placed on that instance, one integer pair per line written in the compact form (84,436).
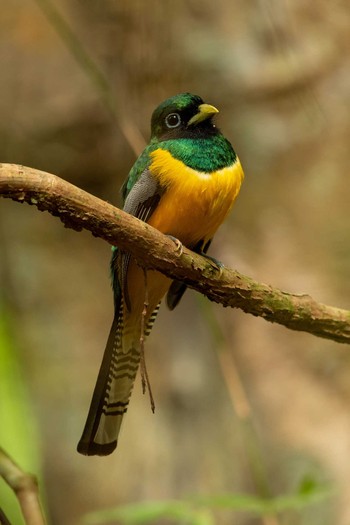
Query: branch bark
(79,210)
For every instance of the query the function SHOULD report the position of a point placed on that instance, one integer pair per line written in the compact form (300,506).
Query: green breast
(202,154)
(205,154)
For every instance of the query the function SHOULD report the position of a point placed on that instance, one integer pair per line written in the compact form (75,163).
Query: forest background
(241,405)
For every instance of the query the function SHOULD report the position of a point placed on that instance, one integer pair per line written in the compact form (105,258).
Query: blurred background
(242,406)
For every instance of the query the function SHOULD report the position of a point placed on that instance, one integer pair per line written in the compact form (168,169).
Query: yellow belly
(194,203)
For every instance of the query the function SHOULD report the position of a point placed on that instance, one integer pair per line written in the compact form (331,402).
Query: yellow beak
(205,111)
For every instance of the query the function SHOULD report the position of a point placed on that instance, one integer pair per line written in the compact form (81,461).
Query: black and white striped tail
(111,395)
(112,391)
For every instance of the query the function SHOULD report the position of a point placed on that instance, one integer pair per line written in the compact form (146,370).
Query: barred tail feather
(111,395)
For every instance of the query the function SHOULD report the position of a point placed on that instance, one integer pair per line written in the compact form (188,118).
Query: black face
(171,119)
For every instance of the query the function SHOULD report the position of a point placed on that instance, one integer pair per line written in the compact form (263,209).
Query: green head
(183,116)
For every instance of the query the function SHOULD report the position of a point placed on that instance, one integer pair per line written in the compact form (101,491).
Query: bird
(184,184)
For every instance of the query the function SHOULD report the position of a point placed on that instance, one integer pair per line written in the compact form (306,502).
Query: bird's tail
(112,393)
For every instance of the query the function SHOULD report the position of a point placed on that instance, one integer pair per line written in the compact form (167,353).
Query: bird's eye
(173,120)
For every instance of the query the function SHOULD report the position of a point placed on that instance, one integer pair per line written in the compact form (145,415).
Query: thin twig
(242,408)
(94,73)
(25,486)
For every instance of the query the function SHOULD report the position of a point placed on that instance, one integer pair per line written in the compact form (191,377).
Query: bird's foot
(179,246)
(217,264)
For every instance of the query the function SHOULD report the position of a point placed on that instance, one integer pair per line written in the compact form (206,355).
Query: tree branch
(78,209)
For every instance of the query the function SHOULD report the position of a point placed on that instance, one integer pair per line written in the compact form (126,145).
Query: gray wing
(141,202)
(143,197)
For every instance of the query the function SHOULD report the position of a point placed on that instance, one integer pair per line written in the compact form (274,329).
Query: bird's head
(184,115)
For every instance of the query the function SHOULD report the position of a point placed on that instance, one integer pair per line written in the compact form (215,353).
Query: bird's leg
(179,246)
(146,385)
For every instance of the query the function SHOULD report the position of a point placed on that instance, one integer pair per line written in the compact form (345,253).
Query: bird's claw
(178,244)
(217,264)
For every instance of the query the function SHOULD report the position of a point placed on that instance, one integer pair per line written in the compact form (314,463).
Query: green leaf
(147,512)
(245,502)
(197,510)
